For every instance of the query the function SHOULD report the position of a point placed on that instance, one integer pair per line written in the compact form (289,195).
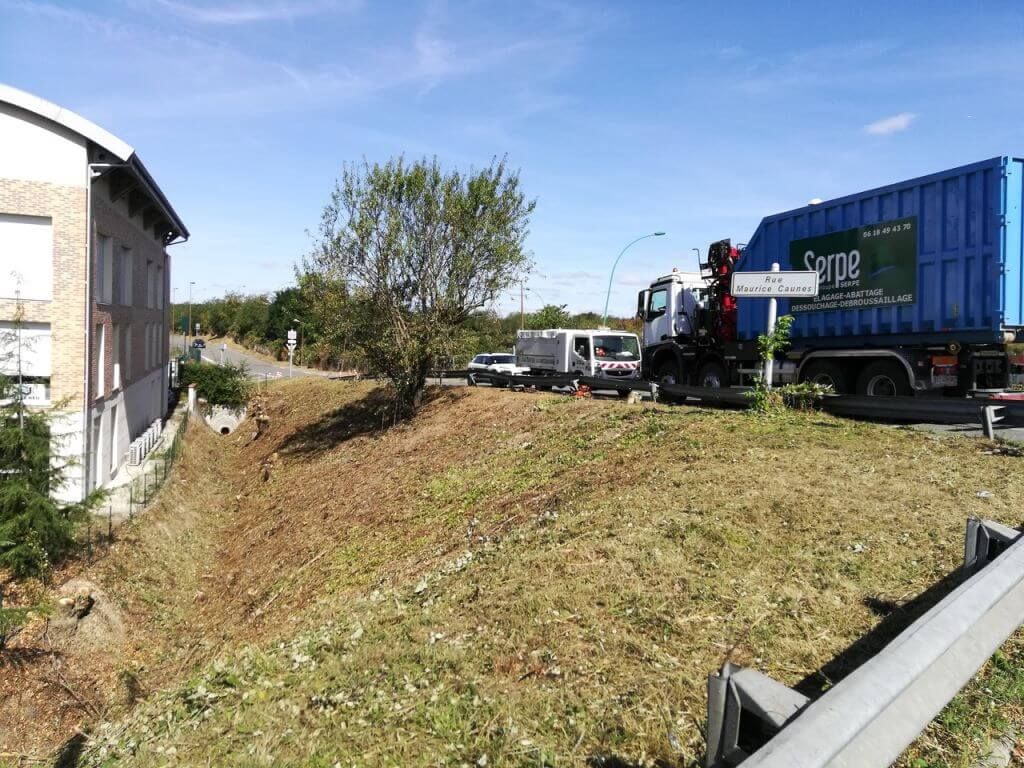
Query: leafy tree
(324,307)
(420,250)
(227,385)
(283,311)
(251,318)
(549,316)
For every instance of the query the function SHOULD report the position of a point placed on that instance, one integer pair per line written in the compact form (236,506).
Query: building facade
(84,283)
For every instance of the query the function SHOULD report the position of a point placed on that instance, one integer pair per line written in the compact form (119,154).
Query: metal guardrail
(616,385)
(932,409)
(869,717)
(711,395)
(936,410)
(506,380)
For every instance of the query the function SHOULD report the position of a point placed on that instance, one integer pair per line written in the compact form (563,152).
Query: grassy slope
(538,579)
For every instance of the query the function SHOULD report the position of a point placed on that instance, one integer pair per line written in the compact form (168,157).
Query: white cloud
(891,124)
(252,12)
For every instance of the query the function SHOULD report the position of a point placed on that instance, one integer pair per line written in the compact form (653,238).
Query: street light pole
(188,330)
(174,314)
(604,320)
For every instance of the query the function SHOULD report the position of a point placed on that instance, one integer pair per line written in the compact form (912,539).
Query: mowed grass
(534,580)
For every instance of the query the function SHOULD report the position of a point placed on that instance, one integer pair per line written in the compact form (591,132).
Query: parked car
(198,344)
(496,362)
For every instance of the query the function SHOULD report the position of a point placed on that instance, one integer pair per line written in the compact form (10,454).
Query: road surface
(257,367)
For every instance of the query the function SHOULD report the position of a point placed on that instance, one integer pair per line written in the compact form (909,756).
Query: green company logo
(871,266)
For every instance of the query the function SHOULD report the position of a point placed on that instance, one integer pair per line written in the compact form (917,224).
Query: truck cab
(671,306)
(679,346)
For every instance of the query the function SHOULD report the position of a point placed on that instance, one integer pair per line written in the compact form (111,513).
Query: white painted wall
(34,149)
(66,446)
(26,256)
(123,417)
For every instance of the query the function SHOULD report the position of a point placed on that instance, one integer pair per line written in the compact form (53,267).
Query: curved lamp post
(604,319)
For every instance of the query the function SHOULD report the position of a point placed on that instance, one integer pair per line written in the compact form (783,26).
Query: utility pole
(522,307)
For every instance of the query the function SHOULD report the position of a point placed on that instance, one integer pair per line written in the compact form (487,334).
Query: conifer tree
(35,528)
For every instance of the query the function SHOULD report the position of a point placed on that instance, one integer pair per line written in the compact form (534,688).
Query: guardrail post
(745,709)
(989,419)
(984,542)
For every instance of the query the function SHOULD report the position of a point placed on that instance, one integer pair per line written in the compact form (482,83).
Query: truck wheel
(668,373)
(884,378)
(827,374)
(711,375)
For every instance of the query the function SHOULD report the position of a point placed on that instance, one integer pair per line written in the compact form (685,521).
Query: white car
(496,362)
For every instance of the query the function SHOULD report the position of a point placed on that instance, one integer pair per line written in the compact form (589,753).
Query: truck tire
(668,372)
(826,373)
(884,378)
(712,375)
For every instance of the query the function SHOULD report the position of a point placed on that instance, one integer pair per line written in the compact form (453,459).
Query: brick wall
(113,221)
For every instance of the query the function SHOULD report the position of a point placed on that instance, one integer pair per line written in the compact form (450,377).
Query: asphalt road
(258,368)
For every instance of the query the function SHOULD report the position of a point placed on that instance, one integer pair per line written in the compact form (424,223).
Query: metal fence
(125,501)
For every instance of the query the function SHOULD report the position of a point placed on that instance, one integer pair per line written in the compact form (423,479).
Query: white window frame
(101,354)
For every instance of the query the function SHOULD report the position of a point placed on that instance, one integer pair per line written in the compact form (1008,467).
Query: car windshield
(618,347)
(503,359)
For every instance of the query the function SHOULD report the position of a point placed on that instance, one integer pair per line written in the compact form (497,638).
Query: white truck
(600,353)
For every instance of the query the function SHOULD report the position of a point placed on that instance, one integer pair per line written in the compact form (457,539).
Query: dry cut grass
(529,580)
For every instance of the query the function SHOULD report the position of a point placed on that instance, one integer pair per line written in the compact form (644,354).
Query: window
(503,359)
(658,303)
(159,287)
(101,359)
(581,346)
(103,279)
(31,342)
(26,257)
(622,348)
(115,348)
(36,390)
(150,285)
(126,277)
(148,343)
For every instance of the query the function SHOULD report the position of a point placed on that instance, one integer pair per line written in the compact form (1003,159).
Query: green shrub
(805,396)
(226,385)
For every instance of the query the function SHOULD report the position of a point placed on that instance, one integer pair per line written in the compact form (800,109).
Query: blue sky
(626,117)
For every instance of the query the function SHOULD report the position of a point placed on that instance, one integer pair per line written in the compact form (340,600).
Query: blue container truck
(921,288)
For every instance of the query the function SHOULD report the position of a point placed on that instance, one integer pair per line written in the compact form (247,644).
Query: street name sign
(769,285)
